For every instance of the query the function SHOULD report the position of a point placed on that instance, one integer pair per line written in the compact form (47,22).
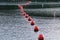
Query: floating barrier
(31,21)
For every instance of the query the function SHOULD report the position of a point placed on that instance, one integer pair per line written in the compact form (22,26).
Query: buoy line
(30,20)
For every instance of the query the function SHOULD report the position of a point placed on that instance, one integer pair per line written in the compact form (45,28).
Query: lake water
(14,26)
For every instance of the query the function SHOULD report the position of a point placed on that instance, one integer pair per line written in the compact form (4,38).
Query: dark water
(15,27)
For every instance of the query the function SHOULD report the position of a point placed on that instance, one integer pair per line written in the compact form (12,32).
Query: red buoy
(20,6)
(26,16)
(23,13)
(40,37)
(36,29)
(32,22)
(21,10)
(29,18)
